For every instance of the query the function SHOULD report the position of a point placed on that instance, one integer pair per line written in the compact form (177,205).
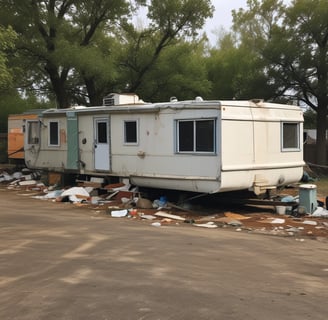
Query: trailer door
(101,144)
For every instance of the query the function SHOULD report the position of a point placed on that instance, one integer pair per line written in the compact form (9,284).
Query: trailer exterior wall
(248,151)
(154,160)
(44,155)
(252,152)
(16,124)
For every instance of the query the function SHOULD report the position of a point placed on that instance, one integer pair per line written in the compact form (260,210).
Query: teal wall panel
(72,141)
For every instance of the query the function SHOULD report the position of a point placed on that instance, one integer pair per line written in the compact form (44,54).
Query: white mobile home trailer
(199,146)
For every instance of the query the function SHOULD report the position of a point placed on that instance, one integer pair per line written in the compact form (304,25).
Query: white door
(101,144)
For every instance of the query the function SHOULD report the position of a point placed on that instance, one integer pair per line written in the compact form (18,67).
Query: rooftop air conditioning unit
(114,99)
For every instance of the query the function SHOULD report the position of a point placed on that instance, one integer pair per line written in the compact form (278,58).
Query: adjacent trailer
(196,145)
(16,131)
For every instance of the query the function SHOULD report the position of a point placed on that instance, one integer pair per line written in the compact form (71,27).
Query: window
(130,132)
(32,132)
(53,131)
(290,136)
(196,135)
(102,132)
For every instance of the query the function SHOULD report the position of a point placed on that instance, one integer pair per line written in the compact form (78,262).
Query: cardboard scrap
(235,216)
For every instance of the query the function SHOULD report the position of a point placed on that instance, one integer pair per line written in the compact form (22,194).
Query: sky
(222,16)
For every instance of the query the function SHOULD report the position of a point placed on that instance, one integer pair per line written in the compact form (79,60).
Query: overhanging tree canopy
(293,42)
(69,45)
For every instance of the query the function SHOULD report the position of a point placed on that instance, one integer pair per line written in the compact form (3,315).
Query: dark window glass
(53,133)
(196,136)
(186,136)
(205,136)
(130,133)
(290,136)
(102,132)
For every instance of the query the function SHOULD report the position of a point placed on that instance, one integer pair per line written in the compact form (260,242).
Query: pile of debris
(23,178)
(121,200)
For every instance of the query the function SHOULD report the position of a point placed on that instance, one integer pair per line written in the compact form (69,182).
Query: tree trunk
(93,94)
(321,146)
(58,85)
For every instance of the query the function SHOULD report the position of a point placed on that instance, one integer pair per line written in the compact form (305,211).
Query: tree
(7,41)
(178,72)
(236,72)
(293,42)
(170,21)
(69,47)
(51,32)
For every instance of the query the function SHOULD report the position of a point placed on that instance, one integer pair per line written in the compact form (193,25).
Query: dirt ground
(64,261)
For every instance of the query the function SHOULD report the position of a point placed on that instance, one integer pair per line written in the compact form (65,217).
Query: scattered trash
(278,221)
(27,183)
(301,210)
(320,212)
(127,202)
(133,212)
(168,215)
(148,217)
(119,213)
(281,210)
(156,224)
(235,216)
(75,191)
(50,195)
(95,200)
(160,203)
(310,222)
(234,223)
(293,229)
(144,203)
(210,225)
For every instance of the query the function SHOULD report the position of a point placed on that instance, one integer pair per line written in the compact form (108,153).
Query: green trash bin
(308,197)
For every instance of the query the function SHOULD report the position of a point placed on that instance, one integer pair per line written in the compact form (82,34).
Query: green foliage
(58,40)
(292,43)
(175,17)
(178,72)
(12,103)
(7,41)
(69,49)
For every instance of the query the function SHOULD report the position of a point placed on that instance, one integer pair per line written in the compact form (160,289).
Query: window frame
(29,141)
(50,132)
(297,146)
(194,142)
(132,143)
